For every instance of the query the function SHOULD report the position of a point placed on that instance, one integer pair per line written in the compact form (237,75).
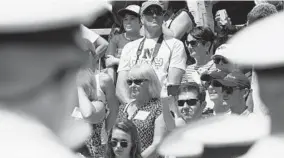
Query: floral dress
(145,123)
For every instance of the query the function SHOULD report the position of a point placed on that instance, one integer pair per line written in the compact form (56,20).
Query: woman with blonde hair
(145,108)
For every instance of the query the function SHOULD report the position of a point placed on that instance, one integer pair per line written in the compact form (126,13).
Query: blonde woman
(145,108)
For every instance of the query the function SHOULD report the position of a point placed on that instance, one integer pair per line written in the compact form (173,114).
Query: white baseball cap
(135,9)
(221,50)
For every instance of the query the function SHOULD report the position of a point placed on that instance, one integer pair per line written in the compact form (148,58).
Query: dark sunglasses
(114,143)
(152,11)
(193,43)
(213,83)
(218,60)
(189,102)
(135,81)
(230,90)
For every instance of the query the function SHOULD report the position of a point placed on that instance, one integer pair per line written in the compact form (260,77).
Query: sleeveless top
(97,138)
(145,127)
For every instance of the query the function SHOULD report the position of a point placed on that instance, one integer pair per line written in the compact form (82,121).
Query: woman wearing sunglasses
(123,141)
(199,43)
(145,109)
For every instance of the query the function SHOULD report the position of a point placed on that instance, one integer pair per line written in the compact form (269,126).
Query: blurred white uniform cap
(39,15)
(259,45)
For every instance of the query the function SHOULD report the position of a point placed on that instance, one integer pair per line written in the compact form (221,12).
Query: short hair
(129,127)
(202,33)
(191,86)
(205,34)
(261,11)
(146,71)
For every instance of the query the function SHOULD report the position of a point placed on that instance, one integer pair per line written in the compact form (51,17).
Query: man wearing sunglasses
(236,88)
(215,91)
(190,103)
(166,54)
(220,61)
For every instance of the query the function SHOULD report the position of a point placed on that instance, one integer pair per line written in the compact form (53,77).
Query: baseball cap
(216,74)
(235,79)
(147,4)
(134,9)
(219,135)
(257,46)
(220,51)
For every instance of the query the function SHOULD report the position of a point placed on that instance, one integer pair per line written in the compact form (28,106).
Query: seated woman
(123,141)
(199,42)
(145,108)
(131,24)
(98,105)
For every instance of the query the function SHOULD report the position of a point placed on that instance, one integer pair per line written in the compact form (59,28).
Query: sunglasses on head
(218,60)
(135,81)
(114,143)
(190,102)
(152,11)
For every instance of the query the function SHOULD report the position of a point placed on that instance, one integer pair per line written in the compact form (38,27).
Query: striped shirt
(193,72)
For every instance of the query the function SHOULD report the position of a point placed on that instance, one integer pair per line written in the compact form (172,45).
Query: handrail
(102,32)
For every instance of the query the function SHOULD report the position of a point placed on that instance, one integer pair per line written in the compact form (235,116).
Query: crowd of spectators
(158,72)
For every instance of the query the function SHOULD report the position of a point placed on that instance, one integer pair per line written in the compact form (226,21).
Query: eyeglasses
(152,11)
(193,43)
(218,60)
(190,102)
(230,90)
(114,143)
(135,81)
(213,83)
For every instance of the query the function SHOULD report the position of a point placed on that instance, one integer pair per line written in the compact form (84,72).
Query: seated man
(189,105)
(236,88)
(215,91)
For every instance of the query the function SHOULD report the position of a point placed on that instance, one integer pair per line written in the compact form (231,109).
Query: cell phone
(223,15)
(173,90)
